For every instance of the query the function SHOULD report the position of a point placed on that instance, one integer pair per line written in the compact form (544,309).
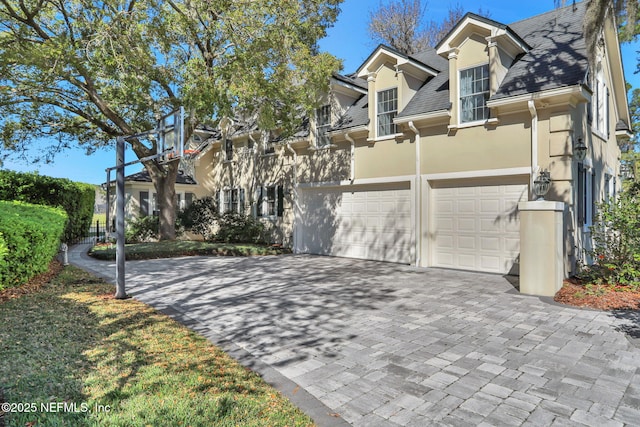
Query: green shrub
(200,217)
(75,198)
(143,229)
(236,228)
(31,235)
(616,242)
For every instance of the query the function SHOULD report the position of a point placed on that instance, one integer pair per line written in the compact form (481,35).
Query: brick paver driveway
(384,344)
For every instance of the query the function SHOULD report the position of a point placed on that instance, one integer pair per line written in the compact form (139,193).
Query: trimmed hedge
(31,235)
(77,199)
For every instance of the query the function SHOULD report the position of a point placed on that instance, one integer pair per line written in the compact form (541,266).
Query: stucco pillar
(453,86)
(371,86)
(493,65)
(541,247)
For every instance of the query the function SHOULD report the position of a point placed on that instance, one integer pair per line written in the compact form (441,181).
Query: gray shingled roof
(356,115)
(143,176)
(557,58)
(434,95)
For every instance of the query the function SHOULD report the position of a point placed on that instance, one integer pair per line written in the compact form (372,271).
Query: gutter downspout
(297,211)
(534,142)
(418,194)
(352,175)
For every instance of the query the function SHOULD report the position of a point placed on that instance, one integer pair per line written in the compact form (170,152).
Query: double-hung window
(233,200)
(474,93)
(387,104)
(323,122)
(270,201)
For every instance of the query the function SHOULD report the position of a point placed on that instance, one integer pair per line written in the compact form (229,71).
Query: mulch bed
(599,297)
(34,284)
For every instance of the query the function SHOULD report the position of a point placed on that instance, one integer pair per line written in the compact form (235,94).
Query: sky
(347,40)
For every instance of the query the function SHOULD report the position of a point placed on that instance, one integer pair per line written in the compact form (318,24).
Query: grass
(166,249)
(124,363)
(102,217)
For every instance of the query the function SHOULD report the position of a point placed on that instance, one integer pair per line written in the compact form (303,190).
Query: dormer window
(474,93)
(387,103)
(323,122)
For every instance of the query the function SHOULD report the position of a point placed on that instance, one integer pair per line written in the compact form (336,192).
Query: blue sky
(347,40)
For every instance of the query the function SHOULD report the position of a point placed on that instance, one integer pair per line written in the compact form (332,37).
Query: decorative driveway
(379,344)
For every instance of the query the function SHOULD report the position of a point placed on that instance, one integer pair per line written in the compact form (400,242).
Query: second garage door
(476,227)
(364,222)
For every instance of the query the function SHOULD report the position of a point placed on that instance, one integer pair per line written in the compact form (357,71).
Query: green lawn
(70,342)
(166,249)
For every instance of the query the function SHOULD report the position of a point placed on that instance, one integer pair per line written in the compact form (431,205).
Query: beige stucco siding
(385,158)
(325,165)
(473,51)
(386,78)
(478,148)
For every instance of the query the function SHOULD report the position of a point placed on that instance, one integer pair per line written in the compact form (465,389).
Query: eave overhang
(424,117)
(572,95)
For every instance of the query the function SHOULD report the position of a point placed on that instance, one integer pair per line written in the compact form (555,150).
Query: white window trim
(600,122)
(222,202)
(460,124)
(327,126)
(379,137)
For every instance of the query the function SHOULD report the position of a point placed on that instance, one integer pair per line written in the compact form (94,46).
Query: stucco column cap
(541,205)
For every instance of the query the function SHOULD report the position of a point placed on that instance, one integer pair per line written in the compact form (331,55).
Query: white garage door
(477,227)
(368,223)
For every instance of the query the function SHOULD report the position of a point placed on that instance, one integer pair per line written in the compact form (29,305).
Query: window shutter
(580,195)
(217,201)
(259,204)
(592,202)
(280,201)
(242,201)
(606,114)
(144,203)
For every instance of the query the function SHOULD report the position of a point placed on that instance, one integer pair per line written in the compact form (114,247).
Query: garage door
(368,223)
(477,227)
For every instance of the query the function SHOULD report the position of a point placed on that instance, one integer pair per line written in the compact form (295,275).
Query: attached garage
(475,225)
(367,222)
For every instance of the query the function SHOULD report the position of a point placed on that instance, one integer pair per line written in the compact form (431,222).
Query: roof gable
(384,54)
(471,23)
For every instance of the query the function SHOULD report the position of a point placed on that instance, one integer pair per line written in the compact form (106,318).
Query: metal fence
(96,233)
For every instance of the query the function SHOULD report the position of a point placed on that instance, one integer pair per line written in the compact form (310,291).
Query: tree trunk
(164,181)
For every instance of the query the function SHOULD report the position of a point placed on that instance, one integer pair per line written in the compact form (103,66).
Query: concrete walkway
(377,344)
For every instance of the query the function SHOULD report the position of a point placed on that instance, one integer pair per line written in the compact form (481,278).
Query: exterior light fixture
(579,150)
(542,184)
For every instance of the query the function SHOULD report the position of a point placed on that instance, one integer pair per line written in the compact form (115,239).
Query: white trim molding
(525,170)
(358,181)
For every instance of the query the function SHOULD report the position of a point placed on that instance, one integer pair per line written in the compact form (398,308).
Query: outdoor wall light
(579,150)
(542,184)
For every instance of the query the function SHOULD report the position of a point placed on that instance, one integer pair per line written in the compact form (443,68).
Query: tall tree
(402,25)
(87,71)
